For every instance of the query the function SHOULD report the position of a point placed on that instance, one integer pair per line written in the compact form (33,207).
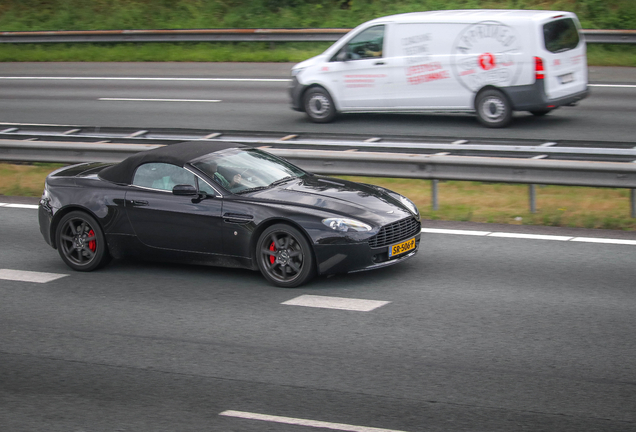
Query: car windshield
(241,171)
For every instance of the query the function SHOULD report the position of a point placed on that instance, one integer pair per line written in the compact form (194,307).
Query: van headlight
(409,205)
(295,72)
(344,224)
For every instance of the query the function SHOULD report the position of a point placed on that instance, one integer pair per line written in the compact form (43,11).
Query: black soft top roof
(176,154)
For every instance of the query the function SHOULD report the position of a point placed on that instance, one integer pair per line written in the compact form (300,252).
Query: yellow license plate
(400,248)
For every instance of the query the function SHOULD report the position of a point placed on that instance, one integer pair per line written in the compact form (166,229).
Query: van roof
(470,15)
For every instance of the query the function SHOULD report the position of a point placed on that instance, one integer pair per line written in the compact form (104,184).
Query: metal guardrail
(236,35)
(538,149)
(416,166)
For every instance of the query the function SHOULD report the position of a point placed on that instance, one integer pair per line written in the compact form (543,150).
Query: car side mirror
(185,190)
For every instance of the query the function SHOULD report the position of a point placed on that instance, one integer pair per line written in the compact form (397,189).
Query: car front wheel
(493,109)
(284,256)
(81,242)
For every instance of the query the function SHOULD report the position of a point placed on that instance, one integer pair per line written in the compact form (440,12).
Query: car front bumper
(355,257)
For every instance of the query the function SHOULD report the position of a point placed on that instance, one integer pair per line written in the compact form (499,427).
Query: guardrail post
(532,192)
(632,200)
(434,194)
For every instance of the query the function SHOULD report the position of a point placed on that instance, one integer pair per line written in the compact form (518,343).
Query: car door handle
(379,63)
(139,203)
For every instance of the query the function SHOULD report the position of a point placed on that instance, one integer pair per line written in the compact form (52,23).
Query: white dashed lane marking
(341,303)
(29,276)
(158,100)
(303,422)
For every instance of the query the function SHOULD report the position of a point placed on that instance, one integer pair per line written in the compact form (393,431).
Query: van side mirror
(184,190)
(343,55)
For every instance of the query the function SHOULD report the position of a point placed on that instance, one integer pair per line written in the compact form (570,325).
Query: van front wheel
(493,109)
(319,106)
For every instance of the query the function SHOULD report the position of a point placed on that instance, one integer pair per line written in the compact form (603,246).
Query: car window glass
(560,35)
(367,44)
(204,187)
(236,169)
(162,176)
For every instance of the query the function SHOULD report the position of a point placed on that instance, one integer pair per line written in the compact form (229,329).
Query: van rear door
(563,52)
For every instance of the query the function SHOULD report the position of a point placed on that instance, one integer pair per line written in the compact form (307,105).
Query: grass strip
(598,55)
(563,206)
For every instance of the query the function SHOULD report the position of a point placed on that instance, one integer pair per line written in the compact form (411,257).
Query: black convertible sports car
(224,204)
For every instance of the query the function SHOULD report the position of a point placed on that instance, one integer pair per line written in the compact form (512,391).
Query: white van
(490,62)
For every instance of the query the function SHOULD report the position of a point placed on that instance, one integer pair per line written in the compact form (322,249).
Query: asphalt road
(607,115)
(481,334)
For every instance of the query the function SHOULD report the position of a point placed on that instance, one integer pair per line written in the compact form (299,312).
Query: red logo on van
(487,61)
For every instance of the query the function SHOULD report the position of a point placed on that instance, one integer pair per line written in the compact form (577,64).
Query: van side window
(560,35)
(365,45)
(162,176)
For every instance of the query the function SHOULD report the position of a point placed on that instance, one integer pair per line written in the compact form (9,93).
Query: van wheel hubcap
(319,105)
(493,108)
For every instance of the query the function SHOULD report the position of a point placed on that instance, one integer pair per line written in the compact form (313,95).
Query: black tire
(539,113)
(319,105)
(80,242)
(284,256)
(493,109)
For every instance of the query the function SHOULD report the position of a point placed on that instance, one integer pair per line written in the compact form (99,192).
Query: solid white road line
(159,100)
(462,232)
(24,206)
(530,236)
(336,303)
(458,232)
(29,276)
(145,79)
(613,85)
(303,422)
(603,240)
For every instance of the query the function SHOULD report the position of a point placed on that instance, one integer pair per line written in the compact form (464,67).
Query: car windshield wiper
(281,181)
(254,189)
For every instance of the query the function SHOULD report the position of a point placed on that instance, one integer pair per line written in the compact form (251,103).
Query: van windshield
(560,35)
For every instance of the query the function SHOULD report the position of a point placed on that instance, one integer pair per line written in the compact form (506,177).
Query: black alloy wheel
(80,242)
(284,256)
(319,105)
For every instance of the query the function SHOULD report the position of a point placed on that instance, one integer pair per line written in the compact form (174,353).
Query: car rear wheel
(81,243)
(493,109)
(319,105)
(284,256)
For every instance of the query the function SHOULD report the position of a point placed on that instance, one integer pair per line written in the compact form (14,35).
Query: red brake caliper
(272,258)
(92,245)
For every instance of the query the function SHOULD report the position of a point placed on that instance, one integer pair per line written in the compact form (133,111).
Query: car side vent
(237,218)
(395,232)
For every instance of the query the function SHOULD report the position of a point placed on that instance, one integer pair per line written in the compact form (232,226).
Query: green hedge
(21,15)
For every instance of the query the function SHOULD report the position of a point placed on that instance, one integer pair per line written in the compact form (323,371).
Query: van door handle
(379,63)
(139,203)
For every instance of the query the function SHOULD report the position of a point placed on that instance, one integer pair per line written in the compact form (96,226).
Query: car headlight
(344,224)
(409,204)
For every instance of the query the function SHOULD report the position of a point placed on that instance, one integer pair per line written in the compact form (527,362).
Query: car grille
(395,232)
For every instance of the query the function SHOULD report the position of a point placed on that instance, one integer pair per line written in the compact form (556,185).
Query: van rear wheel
(319,105)
(493,109)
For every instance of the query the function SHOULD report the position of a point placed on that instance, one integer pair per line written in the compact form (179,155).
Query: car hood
(364,202)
